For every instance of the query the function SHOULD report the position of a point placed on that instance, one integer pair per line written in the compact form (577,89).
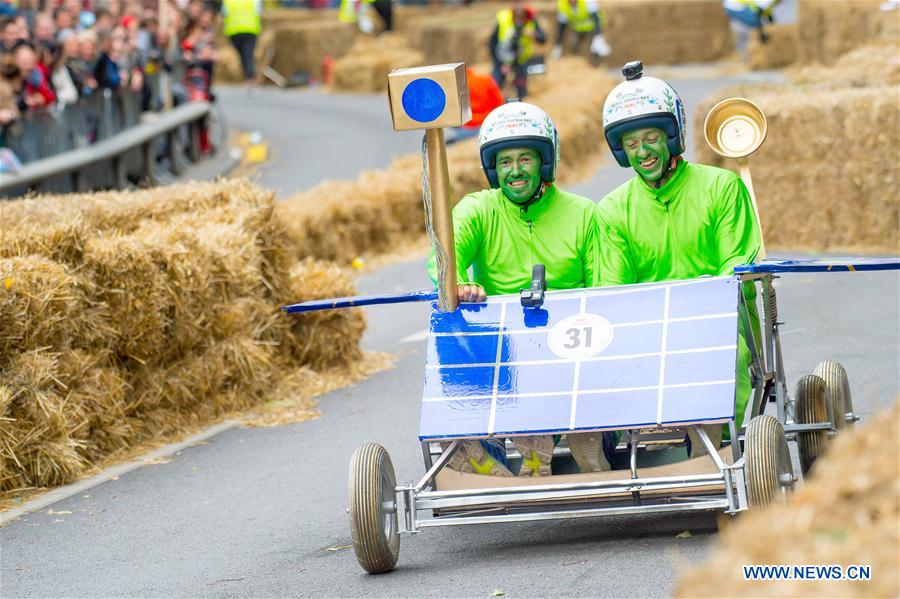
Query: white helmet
(642,102)
(518,125)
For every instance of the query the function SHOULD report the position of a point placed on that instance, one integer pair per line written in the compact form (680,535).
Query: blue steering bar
(830,265)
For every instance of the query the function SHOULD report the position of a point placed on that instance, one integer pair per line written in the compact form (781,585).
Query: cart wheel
(812,396)
(835,378)
(373,509)
(767,461)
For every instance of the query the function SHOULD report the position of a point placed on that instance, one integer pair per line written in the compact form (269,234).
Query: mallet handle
(438,218)
(744,166)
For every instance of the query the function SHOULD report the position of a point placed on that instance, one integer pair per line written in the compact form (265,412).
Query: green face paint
(647,152)
(519,172)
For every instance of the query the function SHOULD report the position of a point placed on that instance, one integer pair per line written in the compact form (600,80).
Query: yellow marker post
(431,98)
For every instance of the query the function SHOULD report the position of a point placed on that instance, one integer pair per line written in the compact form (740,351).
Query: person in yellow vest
(354,11)
(587,20)
(512,45)
(242,22)
(747,15)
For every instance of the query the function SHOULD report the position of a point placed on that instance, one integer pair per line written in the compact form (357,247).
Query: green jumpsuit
(701,222)
(501,242)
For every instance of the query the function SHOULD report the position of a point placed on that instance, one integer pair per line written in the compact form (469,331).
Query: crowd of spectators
(55,53)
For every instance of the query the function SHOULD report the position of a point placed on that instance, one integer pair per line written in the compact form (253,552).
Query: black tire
(767,461)
(812,397)
(217,128)
(375,530)
(835,378)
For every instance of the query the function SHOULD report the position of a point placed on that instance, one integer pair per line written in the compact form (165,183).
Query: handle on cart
(362,300)
(533,297)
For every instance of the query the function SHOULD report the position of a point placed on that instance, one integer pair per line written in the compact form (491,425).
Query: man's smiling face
(519,172)
(647,152)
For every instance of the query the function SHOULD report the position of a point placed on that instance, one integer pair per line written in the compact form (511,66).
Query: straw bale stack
(876,63)
(815,182)
(460,39)
(847,513)
(146,313)
(779,51)
(303,45)
(382,209)
(827,29)
(365,68)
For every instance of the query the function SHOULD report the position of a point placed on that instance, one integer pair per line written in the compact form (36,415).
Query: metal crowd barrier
(79,154)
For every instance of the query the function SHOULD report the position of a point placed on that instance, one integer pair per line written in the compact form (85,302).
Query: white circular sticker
(580,336)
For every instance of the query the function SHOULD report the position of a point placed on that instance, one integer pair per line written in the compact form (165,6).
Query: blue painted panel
(643,339)
(700,367)
(458,382)
(536,379)
(553,310)
(624,409)
(617,374)
(693,334)
(462,349)
(693,404)
(705,296)
(454,418)
(520,414)
(622,308)
(468,318)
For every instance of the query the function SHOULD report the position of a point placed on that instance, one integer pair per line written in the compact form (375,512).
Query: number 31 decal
(580,336)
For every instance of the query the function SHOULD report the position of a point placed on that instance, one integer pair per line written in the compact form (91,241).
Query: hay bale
(827,29)
(302,46)
(153,312)
(779,51)
(847,513)
(816,186)
(365,68)
(877,63)
(460,39)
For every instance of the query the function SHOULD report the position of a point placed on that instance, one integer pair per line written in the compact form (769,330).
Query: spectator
(104,20)
(11,37)
(62,18)
(9,109)
(106,71)
(83,66)
(44,29)
(67,86)
(36,91)
(24,29)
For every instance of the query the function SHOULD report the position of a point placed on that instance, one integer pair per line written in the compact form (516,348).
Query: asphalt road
(261,512)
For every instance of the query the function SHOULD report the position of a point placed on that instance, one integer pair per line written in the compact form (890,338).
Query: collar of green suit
(668,191)
(535,209)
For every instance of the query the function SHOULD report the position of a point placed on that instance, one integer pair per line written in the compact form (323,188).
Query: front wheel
(812,398)
(767,460)
(838,385)
(373,509)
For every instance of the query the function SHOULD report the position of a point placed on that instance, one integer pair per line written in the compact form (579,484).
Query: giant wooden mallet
(432,98)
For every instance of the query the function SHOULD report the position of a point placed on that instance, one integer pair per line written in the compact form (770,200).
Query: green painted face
(647,152)
(519,173)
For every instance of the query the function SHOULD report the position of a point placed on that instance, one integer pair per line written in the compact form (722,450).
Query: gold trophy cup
(735,128)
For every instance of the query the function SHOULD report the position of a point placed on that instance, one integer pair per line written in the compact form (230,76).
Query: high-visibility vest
(763,7)
(579,19)
(241,16)
(348,12)
(506,29)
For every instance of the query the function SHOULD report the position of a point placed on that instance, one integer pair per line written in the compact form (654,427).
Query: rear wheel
(373,509)
(812,397)
(836,382)
(767,461)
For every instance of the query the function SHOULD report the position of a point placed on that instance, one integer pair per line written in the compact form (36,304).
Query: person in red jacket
(484,96)
(36,91)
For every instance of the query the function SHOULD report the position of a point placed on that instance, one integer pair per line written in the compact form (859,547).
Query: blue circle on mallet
(423,100)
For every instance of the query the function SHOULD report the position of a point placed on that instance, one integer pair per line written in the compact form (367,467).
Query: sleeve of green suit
(736,229)
(591,252)
(615,263)
(467,237)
